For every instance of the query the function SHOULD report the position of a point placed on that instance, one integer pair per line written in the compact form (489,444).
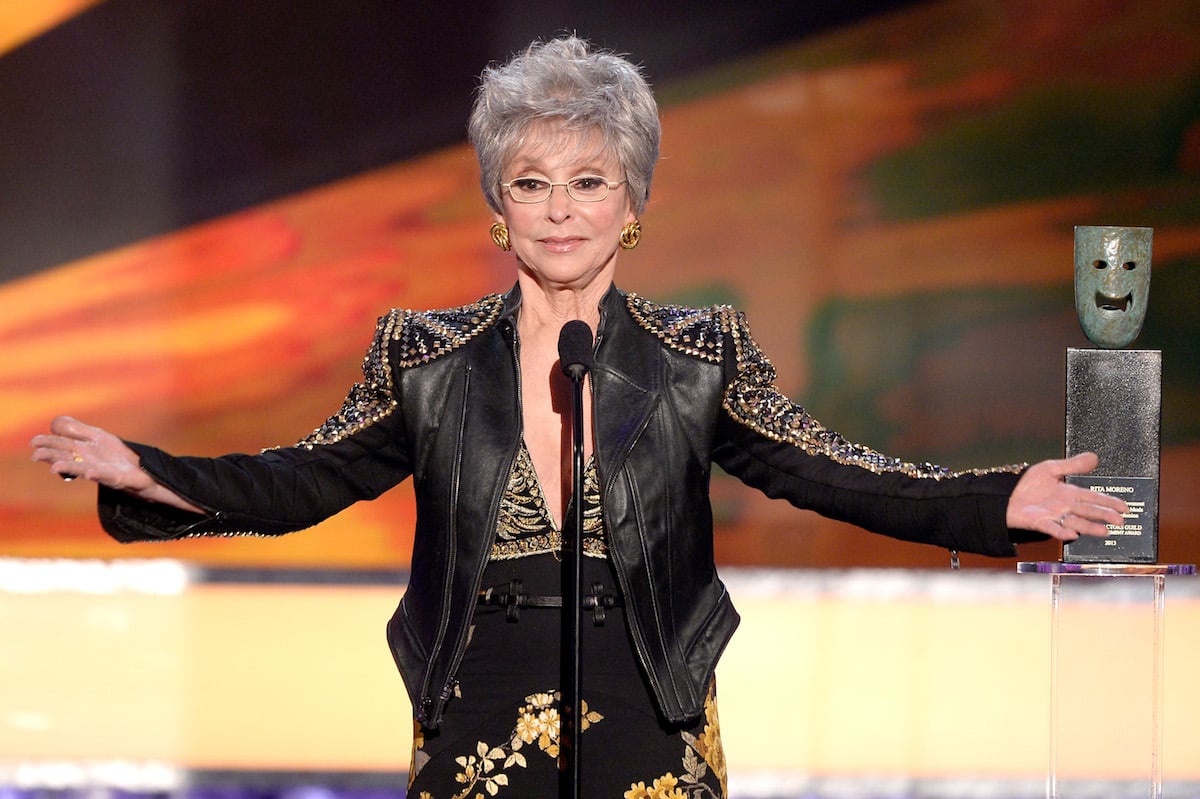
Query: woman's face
(563,242)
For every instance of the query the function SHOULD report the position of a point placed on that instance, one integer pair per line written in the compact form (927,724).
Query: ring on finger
(75,456)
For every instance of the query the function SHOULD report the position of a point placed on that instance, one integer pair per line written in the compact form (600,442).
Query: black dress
(499,735)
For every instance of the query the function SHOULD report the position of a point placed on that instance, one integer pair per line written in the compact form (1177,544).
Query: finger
(63,456)
(69,472)
(1057,528)
(65,463)
(57,443)
(1094,503)
(1082,463)
(62,464)
(1081,526)
(1104,516)
(71,428)
(1075,515)
(1071,525)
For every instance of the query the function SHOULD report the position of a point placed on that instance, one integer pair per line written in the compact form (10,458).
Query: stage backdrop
(890,201)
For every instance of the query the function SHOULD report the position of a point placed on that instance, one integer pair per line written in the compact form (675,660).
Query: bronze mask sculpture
(1112,282)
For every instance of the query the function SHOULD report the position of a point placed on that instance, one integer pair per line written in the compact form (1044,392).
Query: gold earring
(631,234)
(499,233)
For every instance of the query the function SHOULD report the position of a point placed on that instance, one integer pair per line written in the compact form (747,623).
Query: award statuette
(1114,395)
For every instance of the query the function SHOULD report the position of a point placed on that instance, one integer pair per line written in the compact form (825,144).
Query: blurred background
(205,205)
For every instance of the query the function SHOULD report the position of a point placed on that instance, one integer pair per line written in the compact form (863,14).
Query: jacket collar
(625,383)
(625,379)
(616,325)
(614,297)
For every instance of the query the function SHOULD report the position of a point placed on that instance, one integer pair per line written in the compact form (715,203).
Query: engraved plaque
(1133,541)
(1114,400)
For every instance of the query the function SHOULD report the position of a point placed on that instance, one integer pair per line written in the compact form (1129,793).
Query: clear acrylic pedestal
(1106,663)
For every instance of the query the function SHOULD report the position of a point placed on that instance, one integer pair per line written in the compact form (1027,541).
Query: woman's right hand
(74,449)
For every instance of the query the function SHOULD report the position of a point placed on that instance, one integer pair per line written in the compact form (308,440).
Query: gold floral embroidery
(701,754)
(419,758)
(525,526)
(665,787)
(537,722)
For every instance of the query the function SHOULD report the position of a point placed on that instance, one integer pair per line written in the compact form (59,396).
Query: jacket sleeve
(776,446)
(358,453)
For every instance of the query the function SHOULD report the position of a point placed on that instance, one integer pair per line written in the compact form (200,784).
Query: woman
(470,403)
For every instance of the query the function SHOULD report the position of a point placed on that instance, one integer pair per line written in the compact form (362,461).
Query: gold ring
(75,456)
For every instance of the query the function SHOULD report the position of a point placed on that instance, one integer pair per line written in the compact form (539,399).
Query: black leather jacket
(675,390)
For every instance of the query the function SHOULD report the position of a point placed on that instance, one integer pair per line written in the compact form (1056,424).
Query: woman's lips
(561,244)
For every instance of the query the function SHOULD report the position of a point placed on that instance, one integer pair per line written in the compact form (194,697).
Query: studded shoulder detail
(367,401)
(753,400)
(426,335)
(696,331)
(422,336)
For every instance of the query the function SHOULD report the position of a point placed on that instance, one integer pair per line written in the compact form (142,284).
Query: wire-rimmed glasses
(584,188)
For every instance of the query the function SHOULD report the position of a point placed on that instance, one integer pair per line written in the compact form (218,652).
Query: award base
(1114,401)
(1106,675)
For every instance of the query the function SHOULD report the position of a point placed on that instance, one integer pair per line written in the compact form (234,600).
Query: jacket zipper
(211,515)
(460,650)
(639,647)
(447,688)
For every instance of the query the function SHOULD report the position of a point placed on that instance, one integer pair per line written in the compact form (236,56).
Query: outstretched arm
(773,444)
(74,449)
(1042,501)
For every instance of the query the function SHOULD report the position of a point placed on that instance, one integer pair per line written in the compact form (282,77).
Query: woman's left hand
(1042,501)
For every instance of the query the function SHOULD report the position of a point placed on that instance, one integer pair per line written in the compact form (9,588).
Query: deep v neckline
(535,481)
(525,525)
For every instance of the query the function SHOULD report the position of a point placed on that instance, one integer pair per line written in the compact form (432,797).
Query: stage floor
(154,676)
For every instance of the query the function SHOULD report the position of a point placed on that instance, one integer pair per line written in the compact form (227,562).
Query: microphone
(575,349)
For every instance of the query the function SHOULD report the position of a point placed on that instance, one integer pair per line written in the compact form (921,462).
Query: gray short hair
(566,80)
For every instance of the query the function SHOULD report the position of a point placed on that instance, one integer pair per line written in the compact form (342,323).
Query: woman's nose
(558,206)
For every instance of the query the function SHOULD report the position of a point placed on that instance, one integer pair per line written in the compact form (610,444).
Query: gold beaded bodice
(525,526)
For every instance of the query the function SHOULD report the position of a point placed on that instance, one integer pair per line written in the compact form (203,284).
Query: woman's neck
(545,307)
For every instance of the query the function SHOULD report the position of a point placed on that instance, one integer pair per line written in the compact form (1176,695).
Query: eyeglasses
(584,189)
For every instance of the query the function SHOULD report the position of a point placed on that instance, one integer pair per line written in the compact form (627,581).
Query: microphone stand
(572,640)
(575,365)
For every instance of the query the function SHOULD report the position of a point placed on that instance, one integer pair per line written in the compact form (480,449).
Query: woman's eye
(587,183)
(529,184)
